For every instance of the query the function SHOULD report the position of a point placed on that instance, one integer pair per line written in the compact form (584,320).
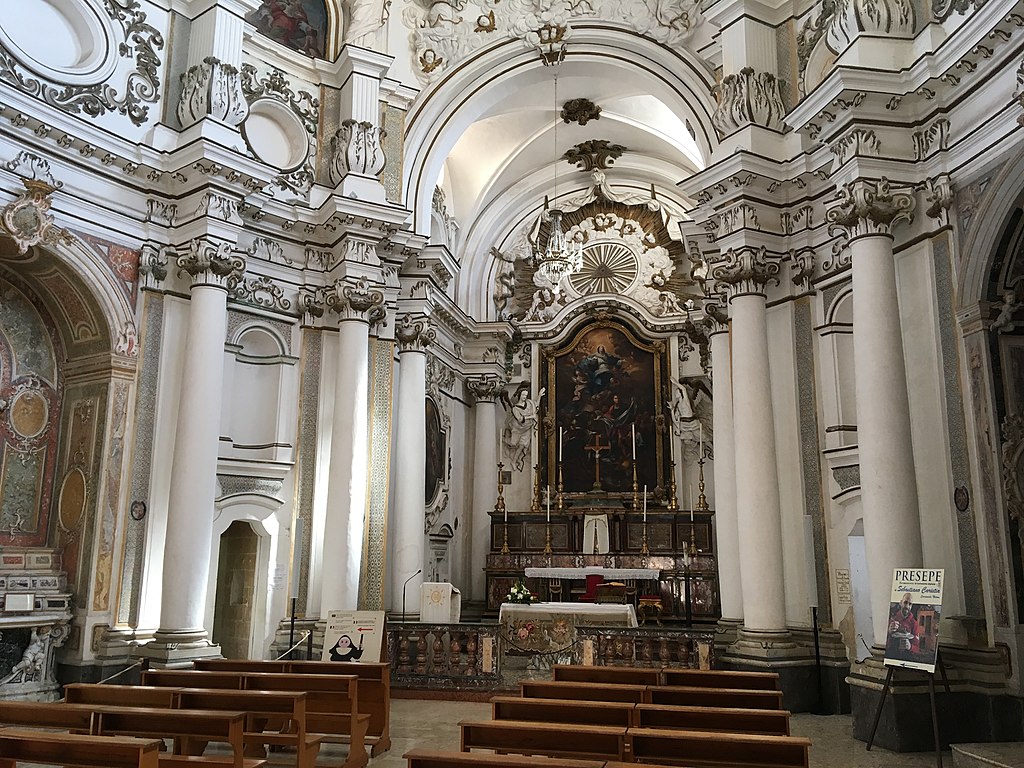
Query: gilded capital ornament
(211,264)
(356,301)
(745,271)
(869,207)
(485,388)
(414,334)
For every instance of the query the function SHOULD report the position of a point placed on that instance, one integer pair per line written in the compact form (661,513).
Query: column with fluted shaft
(743,273)
(869,210)
(485,391)
(413,335)
(730,588)
(358,304)
(193,479)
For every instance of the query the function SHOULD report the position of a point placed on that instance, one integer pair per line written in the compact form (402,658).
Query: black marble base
(801,691)
(964,716)
(95,673)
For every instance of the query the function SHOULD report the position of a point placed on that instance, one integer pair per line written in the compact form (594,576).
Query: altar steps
(1006,755)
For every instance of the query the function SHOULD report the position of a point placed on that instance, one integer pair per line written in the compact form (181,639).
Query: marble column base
(176,649)
(977,708)
(280,645)
(726,633)
(807,686)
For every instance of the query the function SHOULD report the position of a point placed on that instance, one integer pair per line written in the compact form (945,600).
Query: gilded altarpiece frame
(603,383)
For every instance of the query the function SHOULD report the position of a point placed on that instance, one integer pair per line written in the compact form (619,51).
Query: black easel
(931,696)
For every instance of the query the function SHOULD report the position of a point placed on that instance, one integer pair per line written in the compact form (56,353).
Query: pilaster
(485,390)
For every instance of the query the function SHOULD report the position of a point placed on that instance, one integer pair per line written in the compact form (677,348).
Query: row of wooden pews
(247,706)
(603,717)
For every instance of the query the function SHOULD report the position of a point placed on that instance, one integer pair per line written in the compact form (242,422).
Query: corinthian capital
(868,207)
(212,89)
(748,97)
(211,264)
(743,271)
(355,148)
(716,318)
(356,301)
(414,334)
(485,388)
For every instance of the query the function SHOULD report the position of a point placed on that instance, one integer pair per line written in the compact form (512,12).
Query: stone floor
(434,724)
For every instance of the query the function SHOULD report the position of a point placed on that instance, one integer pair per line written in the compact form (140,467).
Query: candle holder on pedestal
(499,508)
(643,542)
(636,489)
(673,500)
(702,500)
(535,504)
(547,538)
(560,498)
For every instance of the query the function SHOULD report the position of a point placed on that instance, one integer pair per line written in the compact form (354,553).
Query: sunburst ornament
(606,268)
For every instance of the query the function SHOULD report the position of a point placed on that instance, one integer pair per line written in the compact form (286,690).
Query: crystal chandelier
(559,257)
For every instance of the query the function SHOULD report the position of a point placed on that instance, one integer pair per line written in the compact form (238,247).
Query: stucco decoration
(92,86)
(211,88)
(748,97)
(443,32)
(440,380)
(27,220)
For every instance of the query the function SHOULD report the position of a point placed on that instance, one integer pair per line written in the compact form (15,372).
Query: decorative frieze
(212,89)
(745,270)
(355,148)
(218,206)
(414,334)
(259,291)
(356,300)
(159,212)
(213,264)
(860,142)
(748,97)
(932,139)
(869,207)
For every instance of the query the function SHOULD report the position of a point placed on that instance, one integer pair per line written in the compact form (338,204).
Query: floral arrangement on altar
(519,593)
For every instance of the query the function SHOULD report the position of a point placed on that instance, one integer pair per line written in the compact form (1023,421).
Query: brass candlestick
(535,504)
(560,498)
(547,539)
(643,543)
(673,501)
(702,500)
(499,509)
(636,489)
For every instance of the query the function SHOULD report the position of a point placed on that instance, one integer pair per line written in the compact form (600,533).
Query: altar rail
(467,656)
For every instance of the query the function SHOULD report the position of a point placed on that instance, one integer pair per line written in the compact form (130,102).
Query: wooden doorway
(236,590)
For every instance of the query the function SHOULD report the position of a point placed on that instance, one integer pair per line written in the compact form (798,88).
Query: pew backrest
(621,675)
(773,722)
(19,745)
(424,758)
(558,689)
(714,697)
(721,678)
(118,695)
(562,711)
(736,750)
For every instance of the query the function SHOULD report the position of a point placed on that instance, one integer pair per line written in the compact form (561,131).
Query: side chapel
(305,303)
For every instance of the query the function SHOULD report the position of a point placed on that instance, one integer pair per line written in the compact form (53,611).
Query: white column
(892,528)
(485,479)
(358,305)
(744,272)
(186,567)
(730,588)
(413,337)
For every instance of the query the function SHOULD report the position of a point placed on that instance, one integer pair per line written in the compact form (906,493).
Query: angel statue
(691,416)
(520,424)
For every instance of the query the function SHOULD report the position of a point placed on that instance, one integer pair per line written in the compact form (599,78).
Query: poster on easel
(353,636)
(912,635)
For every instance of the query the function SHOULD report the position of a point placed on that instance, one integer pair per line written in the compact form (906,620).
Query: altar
(551,627)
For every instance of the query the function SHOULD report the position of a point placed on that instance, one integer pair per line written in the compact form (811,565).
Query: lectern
(440,603)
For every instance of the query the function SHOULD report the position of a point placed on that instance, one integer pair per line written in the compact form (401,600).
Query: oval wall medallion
(65,42)
(275,135)
(29,413)
(73,494)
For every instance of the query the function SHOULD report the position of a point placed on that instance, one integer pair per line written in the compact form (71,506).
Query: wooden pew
(424,758)
(580,673)
(721,678)
(713,697)
(551,739)
(701,748)
(612,713)
(119,695)
(20,745)
(559,689)
(374,686)
(771,722)
(331,700)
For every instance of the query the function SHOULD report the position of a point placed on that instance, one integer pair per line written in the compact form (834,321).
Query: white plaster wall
(785,403)
(925,380)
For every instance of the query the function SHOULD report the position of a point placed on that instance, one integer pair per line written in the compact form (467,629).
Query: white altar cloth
(652,574)
(591,614)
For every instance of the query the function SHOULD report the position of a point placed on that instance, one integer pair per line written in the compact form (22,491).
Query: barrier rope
(298,642)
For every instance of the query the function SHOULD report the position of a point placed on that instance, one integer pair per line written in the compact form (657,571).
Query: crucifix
(596,447)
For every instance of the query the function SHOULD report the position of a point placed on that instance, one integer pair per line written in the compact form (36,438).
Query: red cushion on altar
(593,579)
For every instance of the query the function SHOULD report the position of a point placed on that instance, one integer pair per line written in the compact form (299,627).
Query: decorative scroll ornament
(153,265)
(212,89)
(746,98)
(580,111)
(414,334)
(485,388)
(355,148)
(312,302)
(30,166)
(141,87)
(259,291)
(716,318)
(859,142)
(943,9)
(802,265)
(356,301)
(27,220)
(210,264)
(868,207)
(938,194)
(595,153)
(881,18)
(745,271)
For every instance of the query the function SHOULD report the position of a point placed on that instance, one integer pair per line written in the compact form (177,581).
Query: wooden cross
(596,447)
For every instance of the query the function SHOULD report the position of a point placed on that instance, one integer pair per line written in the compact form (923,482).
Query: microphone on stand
(404,588)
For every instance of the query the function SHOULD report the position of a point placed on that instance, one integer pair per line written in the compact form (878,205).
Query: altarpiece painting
(605,392)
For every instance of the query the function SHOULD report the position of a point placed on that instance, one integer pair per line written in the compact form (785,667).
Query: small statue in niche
(691,416)
(520,424)
(1004,322)
(30,668)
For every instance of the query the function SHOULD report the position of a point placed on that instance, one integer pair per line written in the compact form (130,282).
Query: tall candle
(506,515)
(633,426)
(645,503)
(559,443)
(691,502)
